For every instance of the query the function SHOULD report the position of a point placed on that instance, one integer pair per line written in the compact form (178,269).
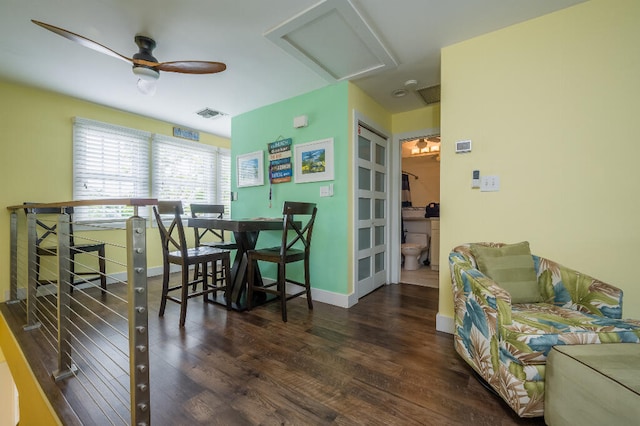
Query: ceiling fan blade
(82,41)
(191,67)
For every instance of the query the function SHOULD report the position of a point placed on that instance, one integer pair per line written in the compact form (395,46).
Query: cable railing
(85,292)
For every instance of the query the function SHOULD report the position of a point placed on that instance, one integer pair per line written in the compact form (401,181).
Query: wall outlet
(490,183)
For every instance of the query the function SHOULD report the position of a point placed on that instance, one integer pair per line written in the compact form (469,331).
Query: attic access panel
(334,40)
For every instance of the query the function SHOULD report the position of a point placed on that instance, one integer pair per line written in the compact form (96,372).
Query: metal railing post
(65,280)
(32,279)
(13,283)
(138,320)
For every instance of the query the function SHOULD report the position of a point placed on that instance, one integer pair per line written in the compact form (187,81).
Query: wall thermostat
(463,146)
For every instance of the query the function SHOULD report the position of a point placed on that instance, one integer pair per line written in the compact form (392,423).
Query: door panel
(371,214)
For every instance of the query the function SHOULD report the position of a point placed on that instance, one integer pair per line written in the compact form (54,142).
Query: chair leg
(215,279)
(103,269)
(205,282)
(165,289)
(185,295)
(307,283)
(282,289)
(196,274)
(226,269)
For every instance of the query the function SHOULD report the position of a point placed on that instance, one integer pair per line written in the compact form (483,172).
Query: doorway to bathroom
(420,166)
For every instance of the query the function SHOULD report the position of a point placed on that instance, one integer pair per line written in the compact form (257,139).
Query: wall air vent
(430,95)
(210,113)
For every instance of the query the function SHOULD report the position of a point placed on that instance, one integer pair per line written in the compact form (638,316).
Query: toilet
(413,250)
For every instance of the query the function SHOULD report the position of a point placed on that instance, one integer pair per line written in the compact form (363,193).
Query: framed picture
(314,161)
(250,169)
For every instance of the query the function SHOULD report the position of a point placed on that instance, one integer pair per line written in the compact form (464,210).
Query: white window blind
(109,162)
(189,171)
(224,180)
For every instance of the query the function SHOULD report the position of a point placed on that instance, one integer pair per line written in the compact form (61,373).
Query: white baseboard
(323,296)
(331,298)
(445,324)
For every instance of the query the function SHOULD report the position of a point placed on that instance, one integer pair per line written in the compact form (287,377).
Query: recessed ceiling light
(398,93)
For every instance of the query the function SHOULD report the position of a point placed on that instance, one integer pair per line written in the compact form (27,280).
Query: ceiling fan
(145,66)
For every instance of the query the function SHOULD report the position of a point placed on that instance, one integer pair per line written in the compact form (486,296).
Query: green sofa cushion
(511,267)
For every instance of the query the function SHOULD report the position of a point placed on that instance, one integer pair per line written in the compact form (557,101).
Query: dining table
(245,232)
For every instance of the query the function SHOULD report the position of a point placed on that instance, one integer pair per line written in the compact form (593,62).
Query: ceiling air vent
(430,95)
(210,113)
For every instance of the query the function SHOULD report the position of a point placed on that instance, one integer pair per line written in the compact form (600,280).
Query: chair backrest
(167,235)
(212,210)
(301,234)
(43,228)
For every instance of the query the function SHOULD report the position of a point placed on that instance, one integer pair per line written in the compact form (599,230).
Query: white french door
(370,211)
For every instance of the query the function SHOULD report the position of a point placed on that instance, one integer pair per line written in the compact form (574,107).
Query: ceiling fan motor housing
(146,46)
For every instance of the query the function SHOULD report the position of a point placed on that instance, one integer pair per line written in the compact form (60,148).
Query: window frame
(219,160)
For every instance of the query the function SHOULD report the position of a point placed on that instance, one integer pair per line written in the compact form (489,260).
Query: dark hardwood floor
(379,363)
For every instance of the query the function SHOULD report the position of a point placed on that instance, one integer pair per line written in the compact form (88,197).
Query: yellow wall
(422,118)
(36,154)
(551,106)
(35,408)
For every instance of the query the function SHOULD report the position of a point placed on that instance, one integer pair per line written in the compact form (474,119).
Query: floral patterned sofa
(507,343)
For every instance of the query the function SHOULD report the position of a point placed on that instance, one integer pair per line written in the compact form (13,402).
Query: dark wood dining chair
(295,247)
(215,211)
(46,231)
(175,251)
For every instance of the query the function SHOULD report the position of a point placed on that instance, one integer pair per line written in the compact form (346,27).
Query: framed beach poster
(314,161)
(250,169)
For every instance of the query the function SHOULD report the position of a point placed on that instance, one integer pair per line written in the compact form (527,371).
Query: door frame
(395,199)
(360,119)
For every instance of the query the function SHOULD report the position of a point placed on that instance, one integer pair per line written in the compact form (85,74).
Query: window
(115,162)
(108,162)
(190,172)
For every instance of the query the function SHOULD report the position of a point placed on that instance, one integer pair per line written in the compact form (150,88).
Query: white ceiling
(230,31)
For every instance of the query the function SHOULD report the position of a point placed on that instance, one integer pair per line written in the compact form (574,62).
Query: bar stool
(44,230)
(286,253)
(174,237)
(215,211)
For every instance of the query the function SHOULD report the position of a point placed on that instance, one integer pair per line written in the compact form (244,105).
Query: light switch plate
(490,183)
(326,191)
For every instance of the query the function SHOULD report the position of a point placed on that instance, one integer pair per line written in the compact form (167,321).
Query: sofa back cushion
(511,267)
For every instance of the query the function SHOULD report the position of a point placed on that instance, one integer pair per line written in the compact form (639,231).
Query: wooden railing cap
(97,202)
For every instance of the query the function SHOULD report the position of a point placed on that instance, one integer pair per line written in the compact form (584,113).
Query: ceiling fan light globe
(147,87)
(144,73)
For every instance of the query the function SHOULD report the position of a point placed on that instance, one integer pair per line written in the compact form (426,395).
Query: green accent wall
(328,116)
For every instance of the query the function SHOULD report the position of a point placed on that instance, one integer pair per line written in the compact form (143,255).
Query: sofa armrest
(477,298)
(575,290)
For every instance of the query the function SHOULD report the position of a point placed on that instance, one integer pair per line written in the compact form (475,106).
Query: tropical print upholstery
(507,344)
